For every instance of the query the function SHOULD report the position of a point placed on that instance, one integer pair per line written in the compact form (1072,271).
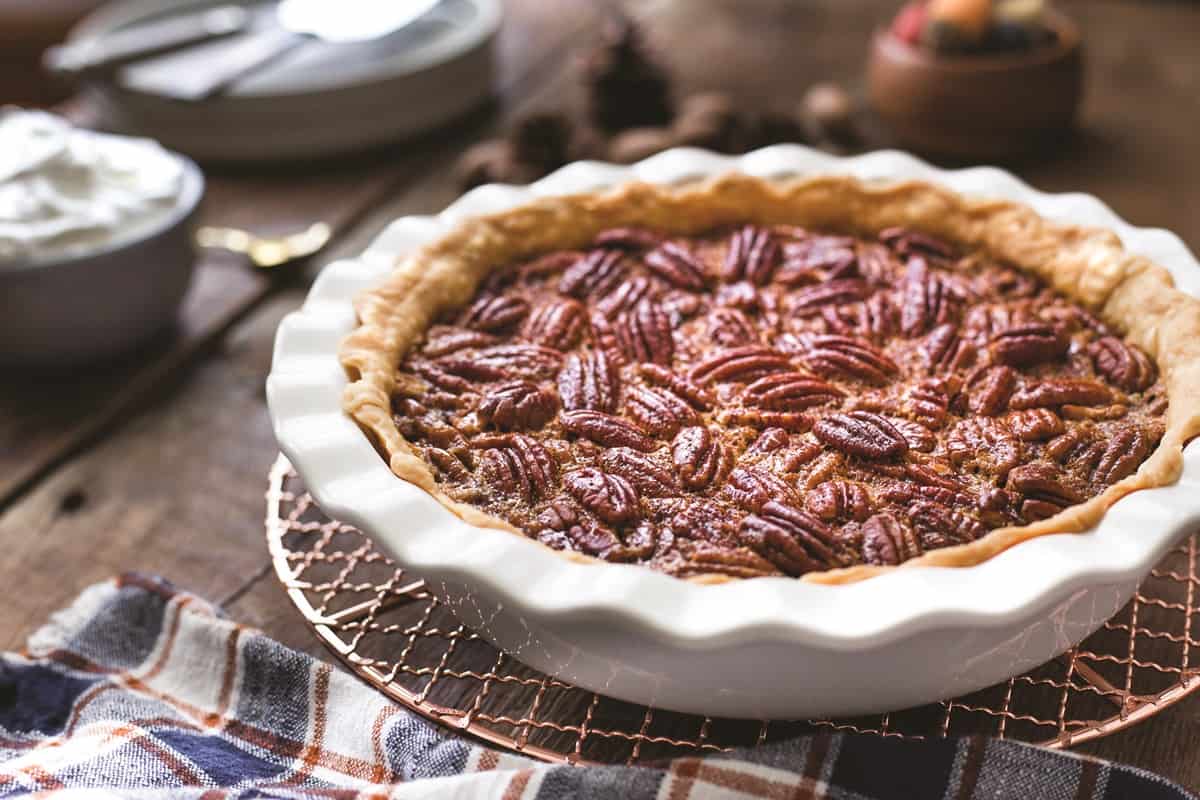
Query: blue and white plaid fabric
(140,690)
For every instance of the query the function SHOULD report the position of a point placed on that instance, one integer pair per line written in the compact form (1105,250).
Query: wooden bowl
(989,106)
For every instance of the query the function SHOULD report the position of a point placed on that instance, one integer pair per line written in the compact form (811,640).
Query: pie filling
(773,400)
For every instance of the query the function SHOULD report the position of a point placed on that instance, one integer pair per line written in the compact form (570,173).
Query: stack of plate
(319,99)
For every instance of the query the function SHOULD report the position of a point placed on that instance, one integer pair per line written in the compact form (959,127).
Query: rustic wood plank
(168,496)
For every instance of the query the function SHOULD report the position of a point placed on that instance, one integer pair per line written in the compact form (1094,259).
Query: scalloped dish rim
(352,482)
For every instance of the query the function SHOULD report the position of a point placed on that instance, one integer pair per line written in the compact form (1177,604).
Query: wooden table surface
(158,463)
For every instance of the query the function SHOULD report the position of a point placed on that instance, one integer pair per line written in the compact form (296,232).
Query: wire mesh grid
(384,625)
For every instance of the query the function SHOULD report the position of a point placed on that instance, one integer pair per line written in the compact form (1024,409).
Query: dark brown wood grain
(159,463)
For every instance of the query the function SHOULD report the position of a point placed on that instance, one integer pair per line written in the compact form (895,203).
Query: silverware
(104,54)
(267,252)
(276,32)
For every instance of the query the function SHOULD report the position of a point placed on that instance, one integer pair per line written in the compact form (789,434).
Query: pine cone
(626,87)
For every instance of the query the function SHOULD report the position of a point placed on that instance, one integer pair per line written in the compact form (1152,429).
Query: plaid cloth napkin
(141,690)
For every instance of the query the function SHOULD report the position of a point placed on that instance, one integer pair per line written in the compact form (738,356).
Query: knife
(101,55)
(294,23)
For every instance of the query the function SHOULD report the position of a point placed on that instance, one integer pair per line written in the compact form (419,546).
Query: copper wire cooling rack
(386,627)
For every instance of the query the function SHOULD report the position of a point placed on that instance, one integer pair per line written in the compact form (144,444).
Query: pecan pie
(821,378)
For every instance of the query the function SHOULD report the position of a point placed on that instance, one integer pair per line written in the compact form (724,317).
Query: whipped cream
(65,190)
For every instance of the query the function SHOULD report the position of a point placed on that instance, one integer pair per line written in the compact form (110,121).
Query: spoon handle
(237,60)
(104,54)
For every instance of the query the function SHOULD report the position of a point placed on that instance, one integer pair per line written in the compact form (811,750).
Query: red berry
(909,23)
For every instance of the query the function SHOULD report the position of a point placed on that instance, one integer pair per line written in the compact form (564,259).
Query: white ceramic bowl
(769,647)
(100,302)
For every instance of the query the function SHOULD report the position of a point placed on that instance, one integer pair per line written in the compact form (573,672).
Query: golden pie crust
(1087,265)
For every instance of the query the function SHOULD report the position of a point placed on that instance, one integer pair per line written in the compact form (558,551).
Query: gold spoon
(267,252)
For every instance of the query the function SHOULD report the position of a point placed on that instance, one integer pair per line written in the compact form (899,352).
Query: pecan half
(861,434)
(609,497)
(646,475)
(1035,424)
(989,390)
(644,334)
(557,324)
(468,368)
(444,340)
(1080,447)
(700,457)
(1028,345)
(946,351)
(446,464)
(677,265)
(793,540)
(752,488)
(845,357)
(928,402)
(983,444)
(629,239)
(839,500)
(923,299)
(739,364)
(505,361)
(518,465)
(940,526)
(698,397)
(1125,452)
(626,296)
(877,265)
(564,527)
(589,381)
(699,519)
(729,327)
(519,405)
(607,430)
(435,375)
(1061,392)
(550,264)
(658,411)
(812,299)
(790,391)
(1044,489)
(919,438)
(888,541)
(795,421)
(597,273)
(768,441)
(874,319)
(1123,364)
(752,255)
(737,562)
(495,313)
(906,243)
(803,259)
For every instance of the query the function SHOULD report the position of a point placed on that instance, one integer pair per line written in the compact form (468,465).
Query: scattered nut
(492,161)
(830,110)
(626,86)
(638,143)
(709,120)
(773,127)
(542,139)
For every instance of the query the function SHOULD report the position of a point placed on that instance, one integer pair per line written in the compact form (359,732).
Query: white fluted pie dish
(767,647)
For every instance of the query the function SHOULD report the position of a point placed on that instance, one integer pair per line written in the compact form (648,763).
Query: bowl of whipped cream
(96,240)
